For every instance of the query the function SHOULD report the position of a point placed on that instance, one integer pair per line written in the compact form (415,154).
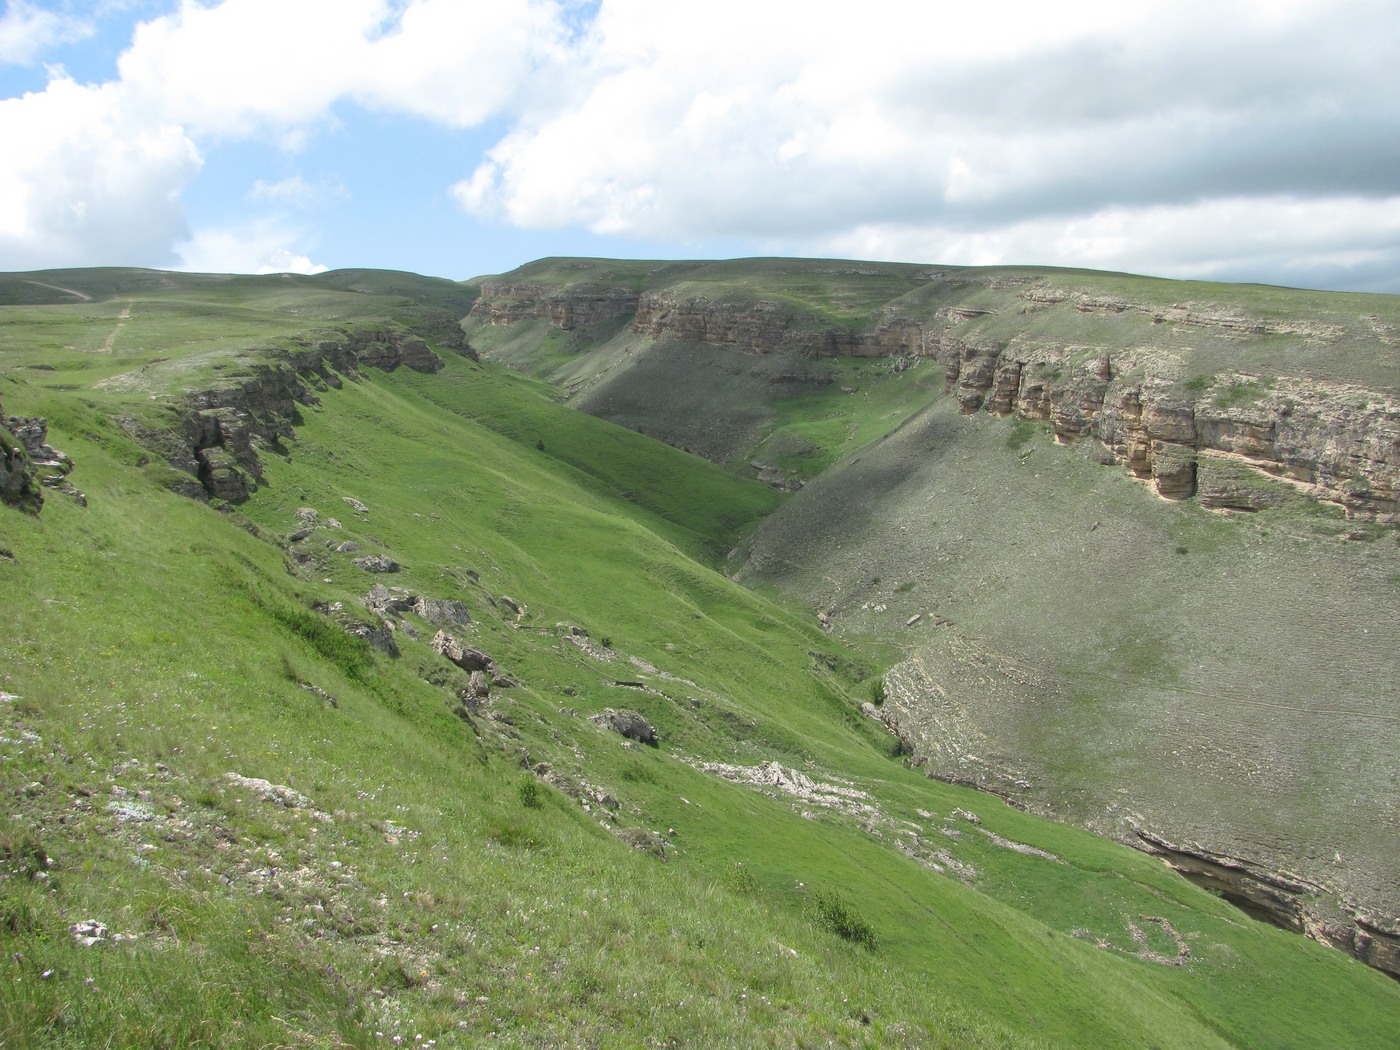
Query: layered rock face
(28,463)
(1189,436)
(218,430)
(505,302)
(1336,442)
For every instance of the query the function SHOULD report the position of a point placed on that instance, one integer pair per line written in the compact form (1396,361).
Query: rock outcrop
(216,433)
(1285,900)
(28,464)
(627,723)
(1332,441)
(468,657)
(574,306)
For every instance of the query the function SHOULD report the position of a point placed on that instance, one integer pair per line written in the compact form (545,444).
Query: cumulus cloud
(93,173)
(265,246)
(84,181)
(1094,132)
(27,31)
(998,128)
(224,70)
(296,192)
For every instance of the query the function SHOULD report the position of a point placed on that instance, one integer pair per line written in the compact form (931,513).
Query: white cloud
(1016,126)
(296,192)
(263,247)
(1308,242)
(27,31)
(245,67)
(992,126)
(83,182)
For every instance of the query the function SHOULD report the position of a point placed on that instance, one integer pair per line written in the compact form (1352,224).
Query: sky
(1240,140)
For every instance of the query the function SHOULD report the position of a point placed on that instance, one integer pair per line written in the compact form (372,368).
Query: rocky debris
(587,795)
(316,690)
(1019,847)
(308,515)
(785,781)
(467,657)
(388,601)
(777,477)
(477,691)
(278,794)
(379,636)
(62,485)
(90,932)
(627,723)
(377,563)
(131,812)
(778,781)
(644,841)
(580,637)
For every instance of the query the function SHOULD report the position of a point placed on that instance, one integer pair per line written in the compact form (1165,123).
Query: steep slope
(260,796)
(1209,674)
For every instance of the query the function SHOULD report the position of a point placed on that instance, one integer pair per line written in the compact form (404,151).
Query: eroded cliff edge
(1234,406)
(1189,397)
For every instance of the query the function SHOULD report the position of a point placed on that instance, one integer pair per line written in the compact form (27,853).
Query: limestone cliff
(1337,442)
(1134,384)
(216,432)
(505,302)
(28,464)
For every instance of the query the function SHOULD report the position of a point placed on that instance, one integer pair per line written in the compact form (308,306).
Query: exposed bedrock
(217,431)
(1334,441)
(505,302)
(1284,900)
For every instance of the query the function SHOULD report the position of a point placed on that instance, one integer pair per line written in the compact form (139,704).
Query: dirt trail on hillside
(122,318)
(66,291)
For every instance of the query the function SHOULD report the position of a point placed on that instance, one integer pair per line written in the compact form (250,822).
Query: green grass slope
(388,861)
(1225,682)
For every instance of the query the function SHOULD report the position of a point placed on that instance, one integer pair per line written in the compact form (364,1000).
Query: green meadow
(273,834)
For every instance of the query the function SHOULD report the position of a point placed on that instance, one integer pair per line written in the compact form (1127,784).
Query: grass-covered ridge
(431,868)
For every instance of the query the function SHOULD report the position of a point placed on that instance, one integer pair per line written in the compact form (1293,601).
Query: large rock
(628,723)
(377,563)
(467,657)
(442,612)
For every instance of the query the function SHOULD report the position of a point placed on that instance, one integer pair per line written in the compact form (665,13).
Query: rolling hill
(359,691)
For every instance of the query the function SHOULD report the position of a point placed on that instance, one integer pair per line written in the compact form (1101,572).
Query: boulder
(442,612)
(628,723)
(380,636)
(377,563)
(467,657)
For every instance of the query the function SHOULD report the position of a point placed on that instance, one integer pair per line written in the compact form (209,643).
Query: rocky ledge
(217,431)
(28,464)
(1233,440)
(505,302)
(1284,900)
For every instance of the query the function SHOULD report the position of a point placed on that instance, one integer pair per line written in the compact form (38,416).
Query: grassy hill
(976,456)
(232,821)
